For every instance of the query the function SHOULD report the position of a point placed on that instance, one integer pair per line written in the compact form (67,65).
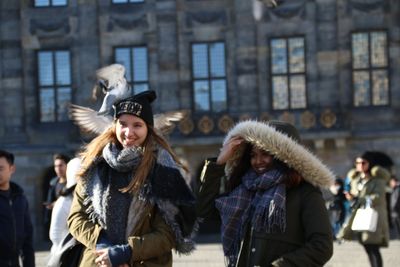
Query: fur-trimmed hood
(265,137)
(377,172)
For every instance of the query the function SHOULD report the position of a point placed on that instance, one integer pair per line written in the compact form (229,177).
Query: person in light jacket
(270,203)
(132,206)
(58,225)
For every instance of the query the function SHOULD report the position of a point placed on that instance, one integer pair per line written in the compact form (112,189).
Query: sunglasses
(361,162)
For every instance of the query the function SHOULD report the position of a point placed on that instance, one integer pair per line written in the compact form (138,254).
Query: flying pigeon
(115,87)
(90,121)
(111,80)
(258,6)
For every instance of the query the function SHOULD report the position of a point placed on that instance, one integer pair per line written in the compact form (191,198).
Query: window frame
(50,4)
(128,2)
(370,68)
(288,73)
(209,78)
(132,82)
(54,84)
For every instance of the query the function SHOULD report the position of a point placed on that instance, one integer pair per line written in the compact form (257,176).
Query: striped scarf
(260,199)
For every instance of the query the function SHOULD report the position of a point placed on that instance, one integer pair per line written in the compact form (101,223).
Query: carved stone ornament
(194,19)
(225,123)
(186,126)
(205,125)
(328,118)
(287,117)
(265,117)
(366,5)
(307,119)
(244,117)
(53,27)
(289,10)
(127,22)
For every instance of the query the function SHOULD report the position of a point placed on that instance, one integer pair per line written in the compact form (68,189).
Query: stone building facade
(341,106)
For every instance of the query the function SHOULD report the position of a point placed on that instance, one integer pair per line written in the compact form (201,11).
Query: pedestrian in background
(56,186)
(368,183)
(395,207)
(272,211)
(16,234)
(337,206)
(58,226)
(132,205)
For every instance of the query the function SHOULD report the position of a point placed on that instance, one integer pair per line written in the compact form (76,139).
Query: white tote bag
(366,219)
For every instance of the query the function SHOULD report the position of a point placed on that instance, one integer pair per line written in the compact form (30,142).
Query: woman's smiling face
(131,130)
(260,160)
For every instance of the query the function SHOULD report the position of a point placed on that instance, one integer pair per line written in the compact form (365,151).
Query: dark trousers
(374,255)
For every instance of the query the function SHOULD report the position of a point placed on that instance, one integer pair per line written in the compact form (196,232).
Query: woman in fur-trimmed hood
(272,212)
(132,205)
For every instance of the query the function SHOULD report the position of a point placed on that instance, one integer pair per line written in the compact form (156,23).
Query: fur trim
(283,148)
(377,172)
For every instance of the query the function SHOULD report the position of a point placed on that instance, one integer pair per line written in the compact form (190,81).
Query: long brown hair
(292,177)
(94,149)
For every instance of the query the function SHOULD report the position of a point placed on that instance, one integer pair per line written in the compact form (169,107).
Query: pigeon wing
(164,122)
(88,120)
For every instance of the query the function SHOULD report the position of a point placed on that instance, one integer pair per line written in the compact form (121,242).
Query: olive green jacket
(374,189)
(151,239)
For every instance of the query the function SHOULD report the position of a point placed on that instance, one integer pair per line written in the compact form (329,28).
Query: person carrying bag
(368,189)
(366,218)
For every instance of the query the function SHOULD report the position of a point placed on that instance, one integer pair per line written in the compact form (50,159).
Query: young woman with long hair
(131,205)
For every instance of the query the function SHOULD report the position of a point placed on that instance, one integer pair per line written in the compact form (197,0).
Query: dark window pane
(50,82)
(296,55)
(217,58)
(140,87)
(378,49)
(123,57)
(39,3)
(218,95)
(140,64)
(360,50)
(201,95)
(63,68)
(46,74)
(47,105)
(297,91)
(280,92)
(63,99)
(371,86)
(200,61)
(209,62)
(380,87)
(59,2)
(279,56)
(361,88)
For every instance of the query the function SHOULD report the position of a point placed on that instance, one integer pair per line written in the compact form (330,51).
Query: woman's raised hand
(228,149)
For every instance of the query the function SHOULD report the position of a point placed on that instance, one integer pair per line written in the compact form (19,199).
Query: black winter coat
(307,240)
(16,230)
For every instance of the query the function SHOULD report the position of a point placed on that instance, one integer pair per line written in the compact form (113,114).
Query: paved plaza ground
(209,254)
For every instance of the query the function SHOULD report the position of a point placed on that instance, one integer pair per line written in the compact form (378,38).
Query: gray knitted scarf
(106,205)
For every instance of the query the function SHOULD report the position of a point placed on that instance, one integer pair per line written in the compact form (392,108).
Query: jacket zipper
(14,241)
